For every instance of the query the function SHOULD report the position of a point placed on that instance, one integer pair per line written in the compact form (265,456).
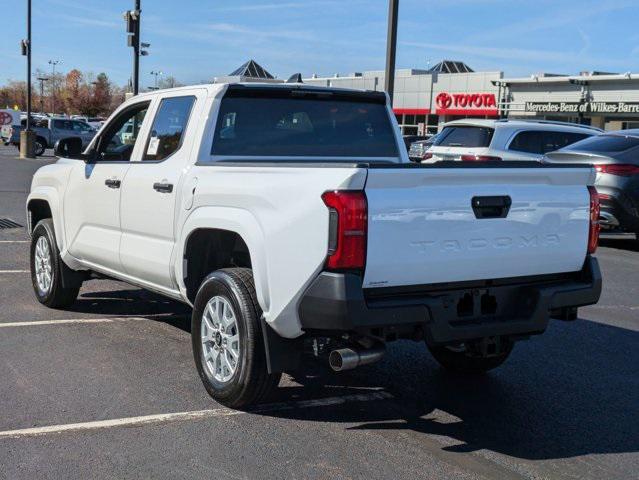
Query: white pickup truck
(292,221)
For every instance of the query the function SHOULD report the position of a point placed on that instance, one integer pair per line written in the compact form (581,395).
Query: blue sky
(196,40)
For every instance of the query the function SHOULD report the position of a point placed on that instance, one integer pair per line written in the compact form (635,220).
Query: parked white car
(494,140)
(289,217)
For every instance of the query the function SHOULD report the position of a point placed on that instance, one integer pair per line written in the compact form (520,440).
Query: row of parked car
(615,156)
(50,129)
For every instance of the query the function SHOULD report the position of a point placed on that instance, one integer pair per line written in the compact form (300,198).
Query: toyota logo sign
(445,100)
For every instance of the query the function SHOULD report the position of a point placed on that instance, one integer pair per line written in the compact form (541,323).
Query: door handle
(112,183)
(491,207)
(163,187)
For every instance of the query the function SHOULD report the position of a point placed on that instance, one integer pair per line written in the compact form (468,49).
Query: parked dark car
(615,156)
(418,148)
(410,139)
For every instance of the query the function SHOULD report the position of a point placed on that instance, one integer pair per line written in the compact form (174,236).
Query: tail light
(348,220)
(480,158)
(593,232)
(622,169)
(427,156)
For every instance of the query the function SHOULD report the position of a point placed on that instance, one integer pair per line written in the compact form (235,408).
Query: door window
(528,142)
(63,124)
(168,128)
(121,134)
(540,141)
(81,127)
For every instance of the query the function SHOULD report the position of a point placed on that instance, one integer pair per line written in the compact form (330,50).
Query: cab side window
(63,124)
(169,124)
(81,127)
(120,135)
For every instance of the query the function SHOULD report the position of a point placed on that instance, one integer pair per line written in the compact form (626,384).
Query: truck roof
(213,88)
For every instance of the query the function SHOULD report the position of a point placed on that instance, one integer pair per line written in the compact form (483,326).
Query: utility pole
(42,80)
(391,48)
(53,63)
(27,136)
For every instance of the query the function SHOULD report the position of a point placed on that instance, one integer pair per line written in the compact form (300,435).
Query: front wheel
(470,358)
(227,339)
(47,267)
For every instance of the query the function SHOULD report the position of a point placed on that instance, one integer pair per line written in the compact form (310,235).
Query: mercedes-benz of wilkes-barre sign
(582,107)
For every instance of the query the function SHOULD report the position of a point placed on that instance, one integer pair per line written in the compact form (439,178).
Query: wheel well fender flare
(52,198)
(236,220)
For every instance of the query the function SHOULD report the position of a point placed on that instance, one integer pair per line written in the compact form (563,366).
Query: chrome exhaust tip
(350,358)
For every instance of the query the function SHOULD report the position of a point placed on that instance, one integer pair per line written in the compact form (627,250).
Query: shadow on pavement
(564,399)
(134,302)
(629,244)
(571,392)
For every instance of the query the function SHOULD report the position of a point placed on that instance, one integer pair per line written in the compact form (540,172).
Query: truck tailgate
(436,225)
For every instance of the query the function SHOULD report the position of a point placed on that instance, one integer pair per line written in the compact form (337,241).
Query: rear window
(464,136)
(297,124)
(605,143)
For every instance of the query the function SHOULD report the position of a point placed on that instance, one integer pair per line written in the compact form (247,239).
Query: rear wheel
(228,346)
(471,358)
(47,268)
(39,146)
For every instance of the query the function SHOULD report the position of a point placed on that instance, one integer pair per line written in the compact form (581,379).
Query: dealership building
(425,99)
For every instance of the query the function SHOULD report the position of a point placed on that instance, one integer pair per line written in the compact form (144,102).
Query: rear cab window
(297,123)
(464,136)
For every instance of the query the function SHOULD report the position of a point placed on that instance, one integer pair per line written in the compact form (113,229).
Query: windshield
(464,136)
(298,124)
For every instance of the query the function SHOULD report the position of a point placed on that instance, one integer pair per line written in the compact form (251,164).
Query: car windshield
(604,143)
(464,136)
(303,124)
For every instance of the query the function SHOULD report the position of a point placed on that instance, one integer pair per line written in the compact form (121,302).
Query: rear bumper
(619,210)
(336,302)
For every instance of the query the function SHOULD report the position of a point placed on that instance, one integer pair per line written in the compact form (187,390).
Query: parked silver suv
(487,140)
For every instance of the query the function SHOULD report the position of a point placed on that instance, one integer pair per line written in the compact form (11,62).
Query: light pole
(27,136)
(53,63)
(42,80)
(132,18)
(156,73)
(391,48)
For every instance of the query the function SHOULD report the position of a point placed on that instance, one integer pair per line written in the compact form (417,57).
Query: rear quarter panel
(279,213)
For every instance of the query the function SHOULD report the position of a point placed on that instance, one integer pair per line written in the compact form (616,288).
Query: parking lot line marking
(15,271)
(14,241)
(192,415)
(68,320)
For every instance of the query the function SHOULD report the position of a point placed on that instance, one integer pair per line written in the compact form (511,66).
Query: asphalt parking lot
(108,389)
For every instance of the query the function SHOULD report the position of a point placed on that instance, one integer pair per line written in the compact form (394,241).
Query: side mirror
(70,147)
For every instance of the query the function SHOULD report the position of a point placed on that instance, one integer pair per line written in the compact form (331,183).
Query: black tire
(56,296)
(39,146)
(466,361)
(250,383)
